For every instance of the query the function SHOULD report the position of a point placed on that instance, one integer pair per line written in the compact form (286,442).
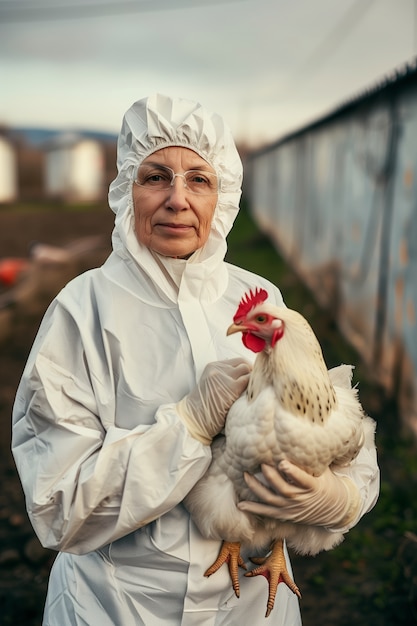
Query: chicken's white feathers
(293,408)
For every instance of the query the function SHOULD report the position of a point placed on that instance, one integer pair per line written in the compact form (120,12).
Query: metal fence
(339,199)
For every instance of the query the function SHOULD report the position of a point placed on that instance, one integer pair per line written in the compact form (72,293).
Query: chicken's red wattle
(252,342)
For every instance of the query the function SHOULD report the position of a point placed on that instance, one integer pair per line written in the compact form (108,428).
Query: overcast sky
(268,66)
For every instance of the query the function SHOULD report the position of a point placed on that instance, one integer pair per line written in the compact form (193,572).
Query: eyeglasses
(159,177)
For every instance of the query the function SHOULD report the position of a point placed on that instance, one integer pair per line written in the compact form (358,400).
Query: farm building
(338,198)
(8,171)
(74,168)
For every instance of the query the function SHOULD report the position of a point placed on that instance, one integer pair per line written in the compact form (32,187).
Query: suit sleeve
(364,472)
(86,483)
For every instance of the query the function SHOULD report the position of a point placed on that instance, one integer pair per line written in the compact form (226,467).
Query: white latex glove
(293,495)
(204,409)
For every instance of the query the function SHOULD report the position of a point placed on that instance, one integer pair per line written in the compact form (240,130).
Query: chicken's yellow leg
(274,568)
(230,554)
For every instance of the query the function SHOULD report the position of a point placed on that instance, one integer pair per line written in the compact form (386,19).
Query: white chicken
(293,409)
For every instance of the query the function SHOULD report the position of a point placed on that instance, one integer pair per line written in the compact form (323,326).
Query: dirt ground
(368,581)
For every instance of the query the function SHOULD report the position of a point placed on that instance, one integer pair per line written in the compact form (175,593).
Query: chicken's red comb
(249,301)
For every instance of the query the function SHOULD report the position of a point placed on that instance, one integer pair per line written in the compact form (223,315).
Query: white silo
(8,171)
(74,168)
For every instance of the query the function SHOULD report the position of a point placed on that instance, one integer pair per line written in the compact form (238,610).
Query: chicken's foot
(230,554)
(274,568)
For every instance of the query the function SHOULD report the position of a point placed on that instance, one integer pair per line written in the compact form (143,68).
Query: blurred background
(69,69)
(268,66)
(321,97)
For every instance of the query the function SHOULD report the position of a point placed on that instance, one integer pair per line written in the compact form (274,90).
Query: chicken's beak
(235,328)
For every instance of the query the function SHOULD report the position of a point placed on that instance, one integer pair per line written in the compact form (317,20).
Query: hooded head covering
(158,122)
(149,125)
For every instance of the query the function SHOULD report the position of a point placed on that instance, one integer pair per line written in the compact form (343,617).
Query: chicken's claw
(230,554)
(275,571)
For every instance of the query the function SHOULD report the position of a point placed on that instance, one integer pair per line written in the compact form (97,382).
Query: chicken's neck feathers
(300,381)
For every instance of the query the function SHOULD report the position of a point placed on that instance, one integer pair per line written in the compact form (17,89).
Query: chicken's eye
(261,319)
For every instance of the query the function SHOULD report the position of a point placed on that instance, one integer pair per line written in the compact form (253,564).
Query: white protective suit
(104,459)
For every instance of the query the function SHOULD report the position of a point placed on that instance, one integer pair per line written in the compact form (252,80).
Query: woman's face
(173,222)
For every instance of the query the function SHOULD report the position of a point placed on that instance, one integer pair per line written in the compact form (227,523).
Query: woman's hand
(204,409)
(293,495)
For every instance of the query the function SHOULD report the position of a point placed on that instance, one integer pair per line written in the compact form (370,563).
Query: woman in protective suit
(131,376)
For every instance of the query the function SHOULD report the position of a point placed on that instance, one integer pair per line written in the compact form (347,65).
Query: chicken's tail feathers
(341,376)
